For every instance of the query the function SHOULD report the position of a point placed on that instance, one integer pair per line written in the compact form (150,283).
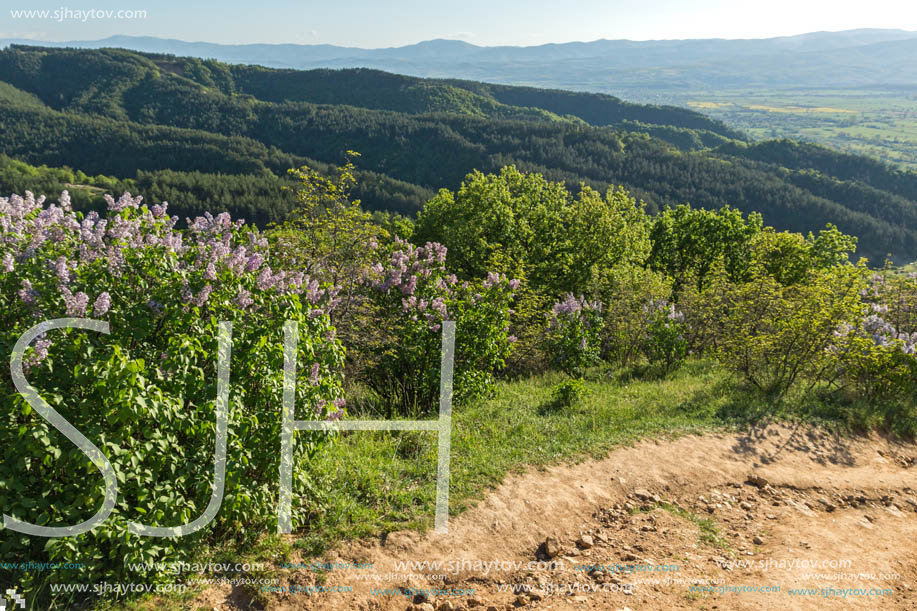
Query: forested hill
(185,120)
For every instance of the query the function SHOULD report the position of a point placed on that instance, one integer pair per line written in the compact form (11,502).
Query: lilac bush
(411,294)
(877,355)
(665,344)
(146,393)
(573,341)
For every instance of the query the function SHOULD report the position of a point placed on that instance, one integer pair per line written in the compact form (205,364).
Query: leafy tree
(530,227)
(791,257)
(687,241)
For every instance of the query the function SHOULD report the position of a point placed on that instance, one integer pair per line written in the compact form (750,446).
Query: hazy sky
(380,23)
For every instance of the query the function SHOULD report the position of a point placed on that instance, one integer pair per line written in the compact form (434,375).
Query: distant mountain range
(848,59)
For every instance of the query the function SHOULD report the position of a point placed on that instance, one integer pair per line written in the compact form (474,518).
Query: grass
(709,532)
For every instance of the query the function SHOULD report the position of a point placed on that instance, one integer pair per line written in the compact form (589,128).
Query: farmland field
(880,124)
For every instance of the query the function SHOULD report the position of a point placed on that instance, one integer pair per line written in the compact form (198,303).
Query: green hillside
(122,113)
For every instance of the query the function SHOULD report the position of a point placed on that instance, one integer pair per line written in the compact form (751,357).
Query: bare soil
(771,508)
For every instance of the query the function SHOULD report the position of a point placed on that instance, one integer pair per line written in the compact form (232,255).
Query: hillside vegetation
(184,119)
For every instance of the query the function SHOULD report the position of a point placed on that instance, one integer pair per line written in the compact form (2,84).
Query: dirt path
(773,508)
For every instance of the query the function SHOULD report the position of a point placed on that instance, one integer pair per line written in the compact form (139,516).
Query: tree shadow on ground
(762,422)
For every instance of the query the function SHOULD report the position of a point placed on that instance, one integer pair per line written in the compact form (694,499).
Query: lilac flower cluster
(666,309)
(407,264)
(418,276)
(66,263)
(890,318)
(164,292)
(411,294)
(576,309)
(883,333)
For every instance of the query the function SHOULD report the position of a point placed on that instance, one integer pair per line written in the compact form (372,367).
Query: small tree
(328,236)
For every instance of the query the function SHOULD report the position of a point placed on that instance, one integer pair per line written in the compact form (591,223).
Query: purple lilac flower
(254,262)
(27,293)
(244,299)
(102,304)
(40,353)
(203,296)
(76,304)
(492,279)
(265,280)
(62,270)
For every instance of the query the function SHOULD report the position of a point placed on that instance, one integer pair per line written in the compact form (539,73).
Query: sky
(386,23)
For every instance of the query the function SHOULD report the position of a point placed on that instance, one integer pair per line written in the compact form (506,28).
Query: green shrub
(629,288)
(526,226)
(776,335)
(569,393)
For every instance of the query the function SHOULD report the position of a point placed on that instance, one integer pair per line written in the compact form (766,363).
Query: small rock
(585,542)
(536,595)
(643,494)
(475,602)
(550,547)
(770,516)
(756,480)
(424,607)
(757,540)
(746,505)
(521,601)
(446,605)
